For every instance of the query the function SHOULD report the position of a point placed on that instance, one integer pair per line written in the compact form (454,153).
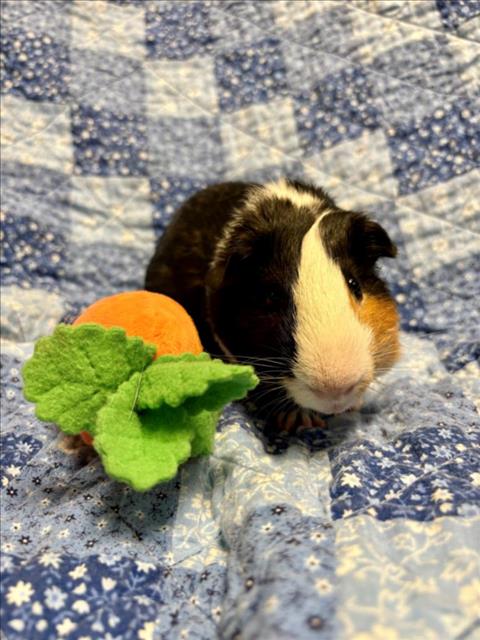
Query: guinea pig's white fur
(334,361)
(281,189)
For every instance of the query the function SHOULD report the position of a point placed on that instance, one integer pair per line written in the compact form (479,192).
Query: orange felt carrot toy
(151,316)
(131,377)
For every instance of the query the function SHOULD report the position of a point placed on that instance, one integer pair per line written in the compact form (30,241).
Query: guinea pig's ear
(370,241)
(238,258)
(219,270)
(227,263)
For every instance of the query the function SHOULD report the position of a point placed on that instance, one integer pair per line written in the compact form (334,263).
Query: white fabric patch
(180,89)
(117,29)
(113,210)
(36,133)
(254,139)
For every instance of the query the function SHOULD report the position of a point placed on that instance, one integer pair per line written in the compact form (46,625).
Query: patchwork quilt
(113,112)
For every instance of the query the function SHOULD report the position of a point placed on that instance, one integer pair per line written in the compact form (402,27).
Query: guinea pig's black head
(293,287)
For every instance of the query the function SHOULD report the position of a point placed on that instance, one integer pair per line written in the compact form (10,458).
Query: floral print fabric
(113,112)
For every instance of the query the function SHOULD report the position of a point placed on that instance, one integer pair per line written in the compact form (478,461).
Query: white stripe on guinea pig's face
(333,364)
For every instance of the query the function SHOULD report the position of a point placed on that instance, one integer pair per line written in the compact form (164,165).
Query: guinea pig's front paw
(298,421)
(279,429)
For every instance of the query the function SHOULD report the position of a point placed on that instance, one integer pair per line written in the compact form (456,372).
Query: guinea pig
(278,276)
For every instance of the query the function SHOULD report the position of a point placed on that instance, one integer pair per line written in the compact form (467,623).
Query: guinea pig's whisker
(284,407)
(263,361)
(271,387)
(379,353)
(258,361)
(270,374)
(277,407)
(265,393)
(247,357)
(264,402)
(270,365)
(273,382)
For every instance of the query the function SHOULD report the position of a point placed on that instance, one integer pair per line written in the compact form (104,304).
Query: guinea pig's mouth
(306,397)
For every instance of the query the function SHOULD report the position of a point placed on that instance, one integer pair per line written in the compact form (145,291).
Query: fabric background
(112,114)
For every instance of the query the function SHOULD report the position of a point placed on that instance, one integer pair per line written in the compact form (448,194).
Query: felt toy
(130,373)
(151,316)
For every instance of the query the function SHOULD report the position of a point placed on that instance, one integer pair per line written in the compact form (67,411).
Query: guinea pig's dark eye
(354,287)
(271,298)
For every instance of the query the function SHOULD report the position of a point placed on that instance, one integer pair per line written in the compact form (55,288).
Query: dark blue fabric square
(33,65)
(168,194)
(32,255)
(177,30)
(457,353)
(399,479)
(186,147)
(251,74)
(455,12)
(273,540)
(407,295)
(128,3)
(455,310)
(436,149)
(340,107)
(108,144)
(17,449)
(130,609)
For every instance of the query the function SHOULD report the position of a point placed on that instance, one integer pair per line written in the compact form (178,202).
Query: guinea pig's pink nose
(335,389)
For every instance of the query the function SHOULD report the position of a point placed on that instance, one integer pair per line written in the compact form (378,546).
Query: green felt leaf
(196,384)
(146,448)
(73,372)
(205,427)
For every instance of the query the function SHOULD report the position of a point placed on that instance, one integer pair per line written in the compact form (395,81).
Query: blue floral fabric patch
(177,31)
(436,149)
(251,74)
(456,12)
(340,107)
(108,144)
(32,253)
(34,66)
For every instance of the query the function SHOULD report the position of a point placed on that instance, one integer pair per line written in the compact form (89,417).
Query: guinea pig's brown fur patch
(380,314)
